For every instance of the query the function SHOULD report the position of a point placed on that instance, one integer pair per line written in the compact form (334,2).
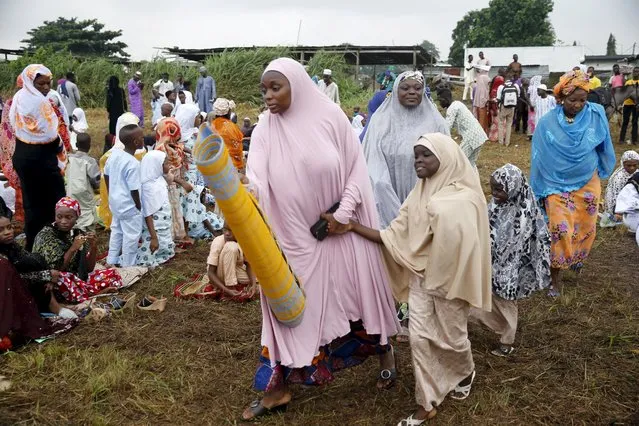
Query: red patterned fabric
(69,203)
(75,290)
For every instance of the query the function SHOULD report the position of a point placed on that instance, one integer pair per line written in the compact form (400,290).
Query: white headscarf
(124,120)
(31,115)
(155,192)
(223,106)
(80,124)
(185,117)
(618,180)
(388,146)
(356,123)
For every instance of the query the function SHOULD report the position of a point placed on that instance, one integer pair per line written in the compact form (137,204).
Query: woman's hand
(78,242)
(187,187)
(91,239)
(334,227)
(55,275)
(244,179)
(155,244)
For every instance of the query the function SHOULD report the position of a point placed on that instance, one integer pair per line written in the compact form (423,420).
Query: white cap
(138,73)
(202,69)
(542,87)
(327,72)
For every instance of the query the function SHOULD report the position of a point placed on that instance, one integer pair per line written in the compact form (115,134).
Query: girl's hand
(334,227)
(55,275)
(155,244)
(91,239)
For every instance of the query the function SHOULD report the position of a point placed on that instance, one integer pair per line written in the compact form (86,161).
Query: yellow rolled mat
(243,215)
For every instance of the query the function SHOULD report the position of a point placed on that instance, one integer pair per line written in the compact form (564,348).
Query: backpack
(509,95)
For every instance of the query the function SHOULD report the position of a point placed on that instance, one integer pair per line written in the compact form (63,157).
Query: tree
(503,23)
(81,38)
(431,49)
(611,46)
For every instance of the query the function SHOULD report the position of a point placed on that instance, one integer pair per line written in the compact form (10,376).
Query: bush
(237,74)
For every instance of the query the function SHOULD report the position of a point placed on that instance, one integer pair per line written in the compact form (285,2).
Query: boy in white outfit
(122,178)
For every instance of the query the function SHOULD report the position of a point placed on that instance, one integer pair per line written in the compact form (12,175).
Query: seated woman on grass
(30,270)
(228,271)
(73,253)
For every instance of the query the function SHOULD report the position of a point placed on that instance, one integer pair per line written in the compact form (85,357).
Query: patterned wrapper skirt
(344,352)
(75,290)
(162,222)
(572,220)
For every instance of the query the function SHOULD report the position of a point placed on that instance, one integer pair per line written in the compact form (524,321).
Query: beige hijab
(442,233)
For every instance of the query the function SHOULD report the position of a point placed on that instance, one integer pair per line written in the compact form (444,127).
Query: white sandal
(411,421)
(463,390)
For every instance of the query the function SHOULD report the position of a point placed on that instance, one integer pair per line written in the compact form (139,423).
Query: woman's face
(426,163)
(410,93)
(631,166)
(276,92)
(499,193)
(43,84)
(6,231)
(575,102)
(65,219)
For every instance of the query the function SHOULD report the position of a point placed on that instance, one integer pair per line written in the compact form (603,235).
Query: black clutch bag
(320,228)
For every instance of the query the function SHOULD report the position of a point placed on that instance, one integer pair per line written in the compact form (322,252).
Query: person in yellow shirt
(630,110)
(594,80)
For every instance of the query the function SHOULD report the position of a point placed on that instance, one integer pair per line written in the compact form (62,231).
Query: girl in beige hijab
(440,244)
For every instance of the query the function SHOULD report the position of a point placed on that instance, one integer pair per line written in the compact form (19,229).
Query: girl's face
(166,166)
(426,163)
(42,84)
(631,166)
(198,121)
(276,92)
(228,234)
(499,193)
(410,93)
(65,219)
(6,231)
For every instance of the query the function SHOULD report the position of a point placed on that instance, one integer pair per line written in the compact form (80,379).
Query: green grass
(576,359)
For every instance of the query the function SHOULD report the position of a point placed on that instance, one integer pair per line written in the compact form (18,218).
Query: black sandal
(258,410)
(389,375)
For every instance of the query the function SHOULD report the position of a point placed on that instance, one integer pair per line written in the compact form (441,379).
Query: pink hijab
(301,162)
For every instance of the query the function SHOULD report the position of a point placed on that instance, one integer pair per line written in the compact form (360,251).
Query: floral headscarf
(411,75)
(168,135)
(571,81)
(32,116)
(69,203)
(223,106)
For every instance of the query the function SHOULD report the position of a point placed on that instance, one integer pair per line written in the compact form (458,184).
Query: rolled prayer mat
(243,215)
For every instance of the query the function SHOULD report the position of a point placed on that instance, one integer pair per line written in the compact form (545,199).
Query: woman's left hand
(91,239)
(334,227)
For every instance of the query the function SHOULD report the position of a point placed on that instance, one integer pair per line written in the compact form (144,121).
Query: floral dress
(162,222)
(52,244)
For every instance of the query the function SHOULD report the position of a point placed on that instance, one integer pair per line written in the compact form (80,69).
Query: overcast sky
(147,24)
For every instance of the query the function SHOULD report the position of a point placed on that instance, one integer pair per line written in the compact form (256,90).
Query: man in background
(329,87)
(163,85)
(70,93)
(515,67)
(135,87)
(469,78)
(595,83)
(482,65)
(630,111)
(205,92)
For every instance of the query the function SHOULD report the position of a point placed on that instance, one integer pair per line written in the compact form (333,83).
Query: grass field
(576,360)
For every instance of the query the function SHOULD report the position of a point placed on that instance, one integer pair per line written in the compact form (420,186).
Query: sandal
(553,293)
(411,421)
(461,392)
(258,410)
(388,377)
(503,350)
(150,303)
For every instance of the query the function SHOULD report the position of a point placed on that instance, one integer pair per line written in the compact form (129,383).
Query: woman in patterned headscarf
(36,126)
(73,253)
(229,131)
(388,145)
(520,246)
(571,152)
(168,136)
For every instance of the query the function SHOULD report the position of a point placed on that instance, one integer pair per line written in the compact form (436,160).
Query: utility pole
(299,30)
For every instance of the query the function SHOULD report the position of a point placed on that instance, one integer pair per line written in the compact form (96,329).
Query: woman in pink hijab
(304,158)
